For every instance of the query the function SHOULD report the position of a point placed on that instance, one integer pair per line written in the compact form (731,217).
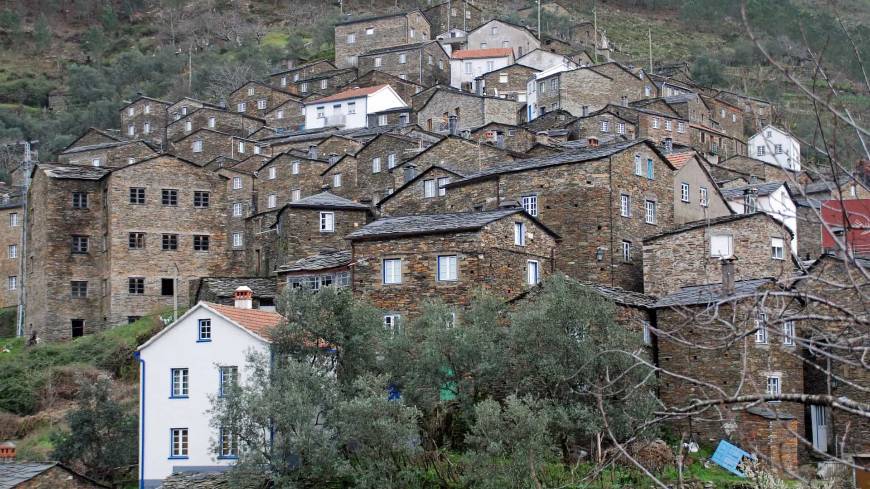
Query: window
(761,328)
(468,68)
(130,161)
(777,148)
(376,164)
(80,200)
(647,90)
(403,58)
(13,219)
(131,130)
(655,122)
(238,241)
(250,91)
(605,126)
(272,201)
(280,114)
(393,271)
(241,146)
(681,127)
(483,45)
(303,87)
(774,386)
(533,274)
(241,107)
(229,444)
(146,128)
(237,183)
(650,212)
(272,172)
(200,242)
(188,126)
(169,242)
(351,38)
(200,199)
(351,107)
(519,233)
(196,146)
(78,327)
(703,198)
(295,195)
(647,333)
(294,168)
(441,183)
(167,286)
(179,442)
(261,104)
(502,78)
(136,241)
(494,30)
(721,246)
(382,120)
(530,204)
(80,244)
(13,282)
(169,197)
(131,111)
(759,151)
(204,330)
(391,160)
(667,125)
(429,189)
(212,122)
(684,192)
(650,169)
(237,209)
(96,162)
(468,14)
(136,285)
(626,251)
(336,180)
(370,31)
(392,323)
(620,128)
(625,205)
(324,83)
(327,222)
(13,251)
(777,246)
(788,333)
(184,110)
(378,62)
(79,288)
(229,375)
(447,266)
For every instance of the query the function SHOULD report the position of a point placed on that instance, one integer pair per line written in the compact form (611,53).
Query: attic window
(370,31)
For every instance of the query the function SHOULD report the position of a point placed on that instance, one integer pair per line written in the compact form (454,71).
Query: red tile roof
(680,159)
(483,53)
(352,93)
(254,320)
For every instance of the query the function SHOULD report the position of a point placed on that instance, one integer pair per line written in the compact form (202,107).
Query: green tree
(102,434)
(708,72)
(109,19)
(42,34)
(10,21)
(94,42)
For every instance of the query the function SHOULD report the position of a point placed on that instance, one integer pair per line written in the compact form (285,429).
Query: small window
(721,246)
(503,78)
(303,87)
(212,122)
(201,242)
(229,376)
(77,327)
(620,128)
(279,114)
(605,126)
(12,251)
(327,222)
(294,168)
(519,233)
(788,333)
(169,197)
(391,160)
(759,151)
(229,447)
(370,31)
(241,147)
(376,164)
(272,172)
(261,104)
(241,107)
(447,268)
(238,240)
(180,382)
(79,288)
(761,328)
(80,244)
(533,273)
(638,165)
(336,180)
(650,212)
(12,282)
(429,189)
(392,271)
(250,91)
(13,219)
(777,246)
(80,200)
(136,286)
(667,124)
(441,183)
(681,127)
(196,146)
(204,330)
(351,38)
(200,199)
(650,169)
(684,192)
(774,386)
(382,120)
(272,201)
(167,286)
(468,70)
(625,205)
(378,62)
(188,126)
(626,251)
(131,111)
(655,122)
(647,333)
(295,195)
(146,128)
(96,162)
(403,58)
(136,241)
(393,323)
(351,107)
(131,130)
(237,183)
(237,209)
(169,242)
(530,204)
(703,197)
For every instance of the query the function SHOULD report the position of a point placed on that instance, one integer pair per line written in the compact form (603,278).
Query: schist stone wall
(300,234)
(357,37)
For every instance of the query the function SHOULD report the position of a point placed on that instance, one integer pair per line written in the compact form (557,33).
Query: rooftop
(321,261)
(255,320)
(327,200)
(680,159)
(763,189)
(430,224)
(226,286)
(73,172)
(482,53)
(402,47)
(348,94)
(704,223)
(711,293)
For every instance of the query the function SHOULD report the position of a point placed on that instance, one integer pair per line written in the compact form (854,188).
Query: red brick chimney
(7,450)
(593,142)
(244,297)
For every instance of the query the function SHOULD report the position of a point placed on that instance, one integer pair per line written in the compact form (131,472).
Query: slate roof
(376,17)
(327,200)
(431,224)
(321,261)
(302,66)
(14,473)
(324,74)
(622,296)
(575,156)
(711,293)
(704,223)
(402,47)
(482,53)
(226,286)
(74,172)
(254,320)
(763,189)
(91,147)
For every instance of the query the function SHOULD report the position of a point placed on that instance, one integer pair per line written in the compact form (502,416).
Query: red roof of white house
(680,159)
(483,53)
(352,93)
(254,320)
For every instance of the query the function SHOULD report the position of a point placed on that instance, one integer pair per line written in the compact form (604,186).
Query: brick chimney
(312,152)
(728,275)
(244,297)
(593,142)
(7,451)
(452,124)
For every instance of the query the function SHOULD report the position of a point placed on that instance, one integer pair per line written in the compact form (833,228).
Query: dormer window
(250,90)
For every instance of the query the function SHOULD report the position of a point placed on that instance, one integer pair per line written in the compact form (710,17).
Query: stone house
(259,245)
(204,145)
(505,136)
(284,78)
(405,88)
(541,59)
(315,223)
(357,36)
(344,172)
(327,268)
(757,112)
(760,169)
(424,63)
(470,111)
(376,175)
(324,83)
(647,123)
(447,16)
(501,34)
(555,119)
(256,99)
(39,475)
(508,82)
(459,154)
(724,335)
(12,212)
(286,116)
(401,262)
(422,194)
(696,195)
(110,155)
(287,177)
(468,64)
(579,91)
(185,106)
(234,123)
(630,82)
(690,254)
(93,136)
(338,144)
(603,201)
(725,116)
(144,118)
(773,198)
(688,106)
(714,144)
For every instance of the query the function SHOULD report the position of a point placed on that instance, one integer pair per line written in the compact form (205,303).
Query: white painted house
(772,198)
(179,369)
(777,147)
(544,60)
(468,64)
(350,109)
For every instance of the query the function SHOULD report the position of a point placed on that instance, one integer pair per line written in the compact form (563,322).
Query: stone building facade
(581,91)
(204,145)
(186,105)
(376,174)
(234,123)
(324,83)
(110,155)
(284,78)
(405,88)
(145,118)
(423,194)
(696,194)
(505,136)
(508,82)
(424,63)
(319,222)
(471,111)
(255,99)
(448,16)
(287,177)
(357,36)
(11,224)
(501,34)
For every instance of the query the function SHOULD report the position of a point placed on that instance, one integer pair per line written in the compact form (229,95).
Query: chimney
(291,63)
(244,297)
(593,142)
(410,172)
(7,451)
(542,137)
(669,145)
(312,152)
(333,157)
(452,124)
(728,275)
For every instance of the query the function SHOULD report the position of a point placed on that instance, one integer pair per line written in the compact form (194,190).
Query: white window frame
(530,204)
(376,164)
(773,386)
(442,181)
(237,209)
(179,443)
(430,189)
(327,222)
(261,104)
(777,248)
(391,271)
(378,61)
(391,160)
(272,201)
(403,58)
(212,122)
(650,216)
(625,205)
(351,38)
(180,382)
(519,233)
(351,107)
(638,165)
(684,192)
(238,240)
(237,183)
(761,329)
(273,172)
(12,251)
(716,248)
(626,251)
(196,146)
(704,197)
(533,272)
(647,333)
(295,195)
(336,180)
(788,333)
(294,168)
(241,107)
(447,267)
(393,323)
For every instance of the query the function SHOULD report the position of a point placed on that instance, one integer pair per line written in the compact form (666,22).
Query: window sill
(178,458)
(179,397)
(228,457)
(203,341)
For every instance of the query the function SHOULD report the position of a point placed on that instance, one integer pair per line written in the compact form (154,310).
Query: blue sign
(731,458)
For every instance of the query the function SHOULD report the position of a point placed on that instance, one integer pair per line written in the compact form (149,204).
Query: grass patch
(275,39)
(37,446)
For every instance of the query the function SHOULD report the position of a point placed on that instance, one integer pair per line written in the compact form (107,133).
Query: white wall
(384,99)
(544,60)
(178,348)
(770,138)
(505,35)
(480,66)
(335,114)
(778,205)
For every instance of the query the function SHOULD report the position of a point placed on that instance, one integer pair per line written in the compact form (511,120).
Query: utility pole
(175,294)
(539,20)
(22,260)
(189,66)
(649,35)
(595,32)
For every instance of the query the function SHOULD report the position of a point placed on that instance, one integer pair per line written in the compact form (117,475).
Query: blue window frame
(204,330)
(178,443)
(180,383)
(650,169)
(229,375)
(229,445)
